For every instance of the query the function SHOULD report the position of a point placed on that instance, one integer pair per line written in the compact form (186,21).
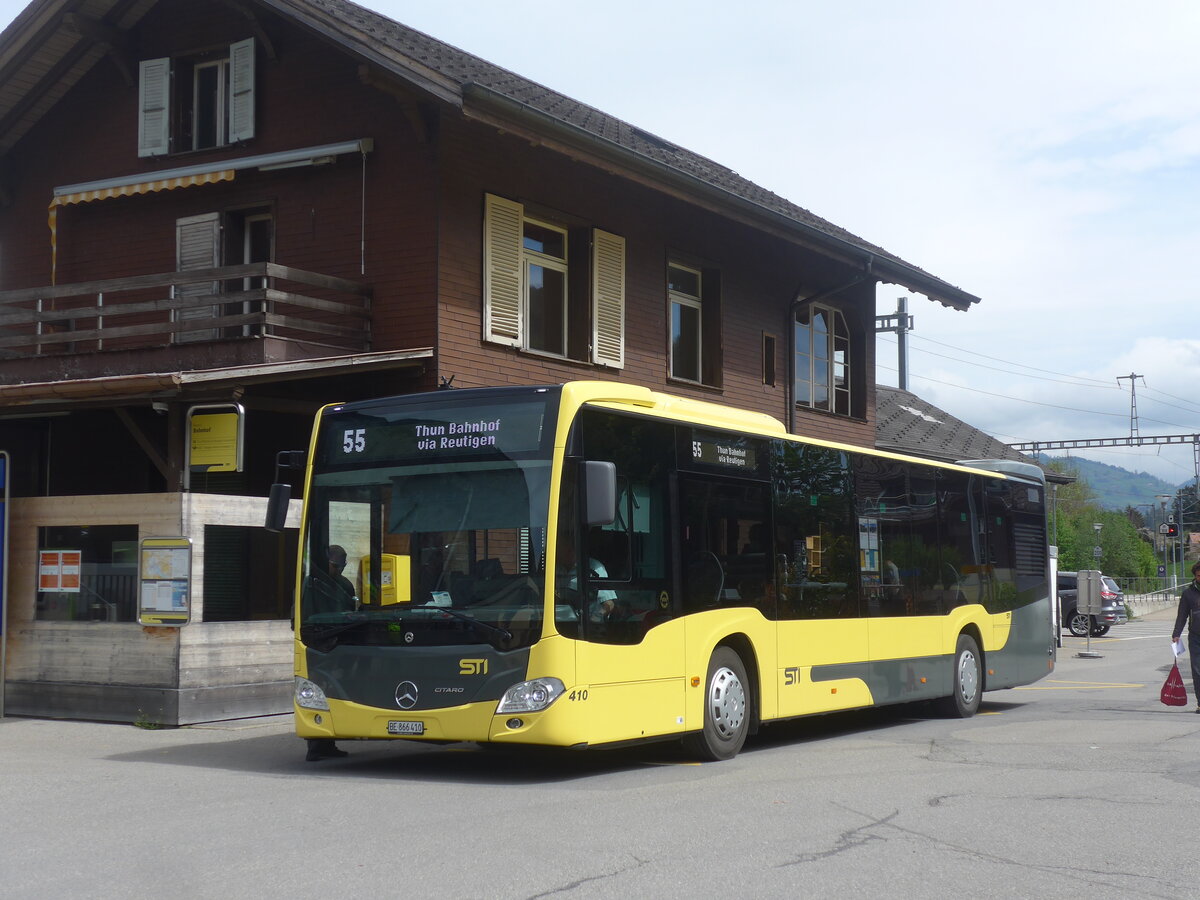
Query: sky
(1044,156)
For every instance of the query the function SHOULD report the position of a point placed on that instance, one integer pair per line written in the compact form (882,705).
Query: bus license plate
(395,727)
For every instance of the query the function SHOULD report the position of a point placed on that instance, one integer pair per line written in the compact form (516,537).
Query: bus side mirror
(281,492)
(277,507)
(600,492)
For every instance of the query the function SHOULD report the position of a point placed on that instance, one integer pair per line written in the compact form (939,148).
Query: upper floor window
(552,289)
(694,316)
(196,102)
(687,327)
(822,359)
(544,272)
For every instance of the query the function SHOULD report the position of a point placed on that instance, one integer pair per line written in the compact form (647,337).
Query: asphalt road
(1082,785)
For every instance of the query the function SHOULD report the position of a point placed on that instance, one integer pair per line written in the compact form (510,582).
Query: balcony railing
(224,303)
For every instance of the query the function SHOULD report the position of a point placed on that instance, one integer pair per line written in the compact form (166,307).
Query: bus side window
(723,539)
(634,549)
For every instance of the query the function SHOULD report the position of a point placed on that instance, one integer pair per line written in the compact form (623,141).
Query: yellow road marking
(1079,685)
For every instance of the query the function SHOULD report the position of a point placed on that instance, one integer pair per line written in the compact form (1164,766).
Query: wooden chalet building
(285,203)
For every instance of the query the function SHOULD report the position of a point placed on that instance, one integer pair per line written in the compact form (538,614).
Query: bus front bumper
(470,722)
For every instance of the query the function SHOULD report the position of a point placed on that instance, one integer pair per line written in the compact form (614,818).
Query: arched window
(822,360)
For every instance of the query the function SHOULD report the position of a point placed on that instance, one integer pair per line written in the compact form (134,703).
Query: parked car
(1111,597)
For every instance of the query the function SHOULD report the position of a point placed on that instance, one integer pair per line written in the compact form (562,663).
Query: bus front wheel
(726,709)
(967,678)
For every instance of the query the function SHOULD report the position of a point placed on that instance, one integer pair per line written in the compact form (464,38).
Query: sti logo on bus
(791,675)
(472,667)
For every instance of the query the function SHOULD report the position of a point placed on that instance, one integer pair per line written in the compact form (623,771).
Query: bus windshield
(426,523)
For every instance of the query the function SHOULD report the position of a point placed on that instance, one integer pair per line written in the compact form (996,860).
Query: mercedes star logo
(406,695)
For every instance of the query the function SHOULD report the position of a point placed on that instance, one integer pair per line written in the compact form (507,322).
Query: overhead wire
(1092,412)
(1095,384)
(1074,381)
(1195,407)
(1013,440)
(1096,381)
(1080,382)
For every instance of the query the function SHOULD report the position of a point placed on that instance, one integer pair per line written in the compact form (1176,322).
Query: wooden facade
(336,249)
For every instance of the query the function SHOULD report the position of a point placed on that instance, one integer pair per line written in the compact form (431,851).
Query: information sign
(1088,599)
(215,441)
(58,570)
(164,581)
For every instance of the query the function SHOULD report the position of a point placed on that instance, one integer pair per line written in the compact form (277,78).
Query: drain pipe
(793,308)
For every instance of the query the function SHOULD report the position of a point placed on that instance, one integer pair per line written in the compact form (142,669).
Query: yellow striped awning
(124,190)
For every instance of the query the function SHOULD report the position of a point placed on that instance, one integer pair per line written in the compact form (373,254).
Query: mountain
(1116,488)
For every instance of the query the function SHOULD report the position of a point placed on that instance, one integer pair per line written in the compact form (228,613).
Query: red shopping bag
(1173,691)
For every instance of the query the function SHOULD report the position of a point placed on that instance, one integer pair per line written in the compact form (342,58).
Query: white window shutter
(502,277)
(154,107)
(608,299)
(241,91)
(197,246)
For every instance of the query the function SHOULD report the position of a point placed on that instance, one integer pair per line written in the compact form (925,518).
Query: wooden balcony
(186,314)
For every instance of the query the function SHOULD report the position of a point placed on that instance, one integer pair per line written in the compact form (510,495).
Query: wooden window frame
(531,258)
(678,298)
(168,107)
(593,263)
(828,361)
(769,343)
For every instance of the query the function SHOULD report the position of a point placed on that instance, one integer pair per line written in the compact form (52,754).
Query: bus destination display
(725,451)
(411,436)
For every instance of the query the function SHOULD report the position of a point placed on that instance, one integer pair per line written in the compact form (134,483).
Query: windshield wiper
(503,634)
(322,636)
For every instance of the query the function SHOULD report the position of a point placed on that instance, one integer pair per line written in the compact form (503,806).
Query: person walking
(1189,616)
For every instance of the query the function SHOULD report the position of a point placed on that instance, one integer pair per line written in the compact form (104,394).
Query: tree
(1124,552)
(1134,515)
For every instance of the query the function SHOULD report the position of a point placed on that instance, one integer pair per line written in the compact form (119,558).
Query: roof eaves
(884,266)
(341,31)
(167,384)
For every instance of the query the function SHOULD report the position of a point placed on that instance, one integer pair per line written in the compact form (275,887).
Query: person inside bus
(758,591)
(601,603)
(330,590)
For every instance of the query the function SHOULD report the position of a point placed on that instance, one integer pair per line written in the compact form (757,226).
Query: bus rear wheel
(967,679)
(727,704)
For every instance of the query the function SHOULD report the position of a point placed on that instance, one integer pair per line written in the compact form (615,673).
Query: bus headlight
(309,695)
(530,696)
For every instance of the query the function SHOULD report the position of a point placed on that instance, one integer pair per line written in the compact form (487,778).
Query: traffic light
(1172,530)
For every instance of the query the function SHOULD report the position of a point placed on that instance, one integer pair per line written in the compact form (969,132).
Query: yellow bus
(593,564)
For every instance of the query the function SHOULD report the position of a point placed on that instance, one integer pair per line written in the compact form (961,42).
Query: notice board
(165,581)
